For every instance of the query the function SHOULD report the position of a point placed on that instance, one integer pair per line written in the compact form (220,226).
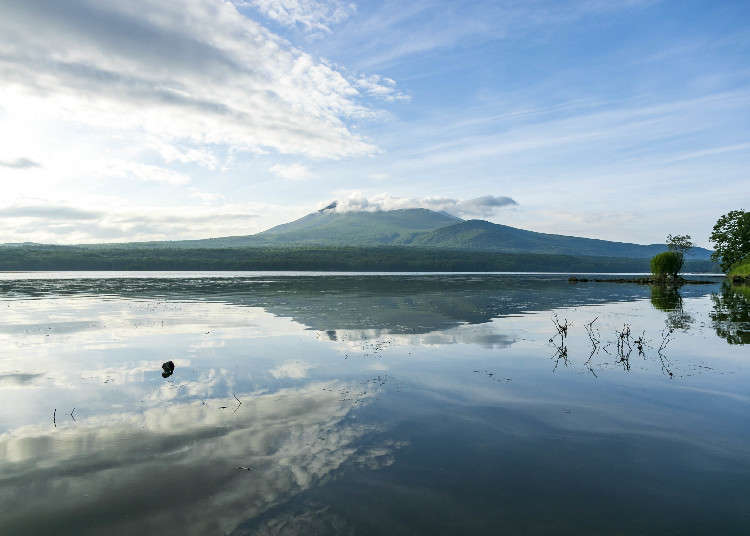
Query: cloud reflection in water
(162,470)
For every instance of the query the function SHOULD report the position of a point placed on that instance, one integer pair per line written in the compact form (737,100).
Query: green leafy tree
(666,264)
(680,244)
(731,238)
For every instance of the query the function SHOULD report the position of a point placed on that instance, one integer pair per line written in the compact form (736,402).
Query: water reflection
(383,405)
(667,298)
(731,313)
(392,304)
(196,470)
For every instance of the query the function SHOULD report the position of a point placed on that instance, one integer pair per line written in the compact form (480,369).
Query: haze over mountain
(422,228)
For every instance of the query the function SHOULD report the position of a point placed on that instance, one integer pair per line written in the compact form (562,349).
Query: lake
(371,404)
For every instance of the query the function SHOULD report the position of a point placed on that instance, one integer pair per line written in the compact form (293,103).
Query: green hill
(483,235)
(325,228)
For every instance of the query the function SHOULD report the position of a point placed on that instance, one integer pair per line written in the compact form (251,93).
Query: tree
(666,264)
(731,238)
(680,244)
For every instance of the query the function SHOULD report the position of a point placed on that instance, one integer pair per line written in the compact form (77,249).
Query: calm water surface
(423,404)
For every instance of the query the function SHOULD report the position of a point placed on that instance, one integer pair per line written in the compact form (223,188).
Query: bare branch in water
(239,403)
(593,335)
(640,344)
(624,348)
(666,337)
(595,339)
(561,327)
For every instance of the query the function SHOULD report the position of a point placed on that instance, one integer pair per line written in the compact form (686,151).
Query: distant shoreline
(11,275)
(318,259)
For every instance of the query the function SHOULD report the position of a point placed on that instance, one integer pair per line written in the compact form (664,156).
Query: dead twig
(666,338)
(239,403)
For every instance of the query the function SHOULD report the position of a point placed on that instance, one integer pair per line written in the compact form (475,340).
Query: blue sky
(156,119)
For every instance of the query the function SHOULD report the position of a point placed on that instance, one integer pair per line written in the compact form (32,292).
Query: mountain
(359,228)
(327,228)
(483,235)
(415,227)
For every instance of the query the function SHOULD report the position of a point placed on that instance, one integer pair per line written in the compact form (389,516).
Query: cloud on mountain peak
(483,206)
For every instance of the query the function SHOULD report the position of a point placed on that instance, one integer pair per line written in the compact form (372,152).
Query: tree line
(387,258)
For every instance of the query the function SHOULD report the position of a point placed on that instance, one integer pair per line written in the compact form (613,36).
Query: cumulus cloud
(381,87)
(294,369)
(292,172)
(196,73)
(310,14)
(143,172)
(49,212)
(206,197)
(19,380)
(484,206)
(19,163)
(69,224)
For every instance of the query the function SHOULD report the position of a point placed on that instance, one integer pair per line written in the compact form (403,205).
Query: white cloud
(483,206)
(293,172)
(19,163)
(294,369)
(380,87)
(143,172)
(310,14)
(195,72)
(206,197)
(48,211)
(67,224)
(172,153)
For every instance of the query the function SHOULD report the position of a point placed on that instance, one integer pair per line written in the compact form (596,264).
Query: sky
(162,119)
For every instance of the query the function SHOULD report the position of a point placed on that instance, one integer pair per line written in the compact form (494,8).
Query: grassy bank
(314,258)
(740,272)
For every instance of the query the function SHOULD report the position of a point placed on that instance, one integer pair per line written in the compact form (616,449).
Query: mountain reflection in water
(372,405)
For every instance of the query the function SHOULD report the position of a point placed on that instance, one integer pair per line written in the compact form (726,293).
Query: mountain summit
(375,228)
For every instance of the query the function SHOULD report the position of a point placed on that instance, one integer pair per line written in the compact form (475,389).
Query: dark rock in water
(168,369)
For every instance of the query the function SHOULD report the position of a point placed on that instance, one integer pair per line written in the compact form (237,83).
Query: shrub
(666,264)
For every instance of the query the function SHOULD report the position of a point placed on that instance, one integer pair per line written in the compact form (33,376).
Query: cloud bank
(484,206)
(19,163)
(66,224)
(195,71)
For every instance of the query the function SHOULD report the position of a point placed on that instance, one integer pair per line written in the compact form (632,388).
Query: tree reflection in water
(731,313)
(667,298)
